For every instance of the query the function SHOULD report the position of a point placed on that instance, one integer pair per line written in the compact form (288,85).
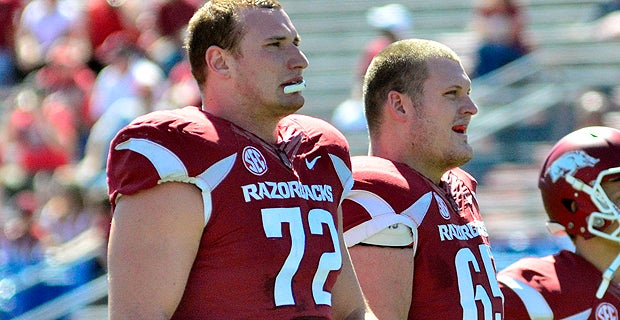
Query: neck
(599,252)
(260,124)
(404,155)
(264,128)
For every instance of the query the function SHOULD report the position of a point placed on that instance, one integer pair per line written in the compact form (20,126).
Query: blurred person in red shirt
(9,13)
(393,22)
(67,76)
(500,26)
(104,18)
(34,136)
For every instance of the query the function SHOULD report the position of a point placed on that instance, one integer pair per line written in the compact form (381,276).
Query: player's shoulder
(312,132)
(168,145)
(312,127)
(533,269)
(178,128)
(171,118)
(549,281)
(550,264)
(377,172)
(307,122)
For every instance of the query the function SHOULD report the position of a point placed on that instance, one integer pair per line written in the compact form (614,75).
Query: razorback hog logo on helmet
(569,163)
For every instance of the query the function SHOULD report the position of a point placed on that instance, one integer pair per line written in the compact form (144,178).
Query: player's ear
(395,104)
(216,61)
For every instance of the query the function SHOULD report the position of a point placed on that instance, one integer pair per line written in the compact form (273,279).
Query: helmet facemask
(608,212)
(599,221)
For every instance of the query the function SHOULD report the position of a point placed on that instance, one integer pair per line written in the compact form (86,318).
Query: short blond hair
(402,67)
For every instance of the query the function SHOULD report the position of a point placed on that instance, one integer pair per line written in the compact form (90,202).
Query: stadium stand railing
(64,282)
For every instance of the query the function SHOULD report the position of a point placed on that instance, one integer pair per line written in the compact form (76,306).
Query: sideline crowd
(72,73)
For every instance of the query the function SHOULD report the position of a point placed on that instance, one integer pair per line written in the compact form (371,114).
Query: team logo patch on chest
(254,161)
(606,311)
(443,207)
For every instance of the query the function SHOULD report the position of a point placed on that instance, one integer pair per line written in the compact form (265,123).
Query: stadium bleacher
(334,33)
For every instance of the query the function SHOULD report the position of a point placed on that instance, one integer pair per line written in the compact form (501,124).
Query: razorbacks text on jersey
(453,261)
(270,246)
(547,288)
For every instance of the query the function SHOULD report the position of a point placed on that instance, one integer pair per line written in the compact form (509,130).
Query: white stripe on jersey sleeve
(344,174)
(211,178)
(417,211)
(536,305)
(584,315)
(382,216)
(170,168)
(167,164)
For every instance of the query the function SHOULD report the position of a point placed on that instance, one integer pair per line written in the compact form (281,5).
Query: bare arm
(153,243)
(347,299)
(386,277)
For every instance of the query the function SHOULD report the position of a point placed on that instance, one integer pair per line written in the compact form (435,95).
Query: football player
(417,241)
(231,210)
(580,187)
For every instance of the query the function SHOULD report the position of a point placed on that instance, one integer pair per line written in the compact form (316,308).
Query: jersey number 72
(274,219)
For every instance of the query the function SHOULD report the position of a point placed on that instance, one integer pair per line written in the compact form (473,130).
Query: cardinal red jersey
(454,274)
(560,286)
(270,246)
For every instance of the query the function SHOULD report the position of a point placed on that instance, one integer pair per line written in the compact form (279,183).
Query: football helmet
(570,183)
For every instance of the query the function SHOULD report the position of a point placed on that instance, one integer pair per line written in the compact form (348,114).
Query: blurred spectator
(63,216)
(9,15)
(171,19)
(19,245)
(500,27)
(67,76)
(181,88)
(38,135)
(20,249)
(393,22)
(60,241)
(128,74)
(91,168)
(98,204)
(606,7)
(607,19)
(103,18)
(591,108)
(173,15)
(42,22)
(69,230)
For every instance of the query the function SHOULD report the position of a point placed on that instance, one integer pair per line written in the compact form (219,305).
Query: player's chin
(463,153)
(288,108)
(294,102)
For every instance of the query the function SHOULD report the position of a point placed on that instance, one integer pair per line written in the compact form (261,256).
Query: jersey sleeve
(396,235)
(371,220)
(522,301)
(156,148)
(375,210)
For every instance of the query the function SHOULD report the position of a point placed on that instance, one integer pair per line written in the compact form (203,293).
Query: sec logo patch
(606,311)
(254,161)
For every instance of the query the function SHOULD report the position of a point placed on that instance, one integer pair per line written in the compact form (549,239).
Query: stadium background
(524,108)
